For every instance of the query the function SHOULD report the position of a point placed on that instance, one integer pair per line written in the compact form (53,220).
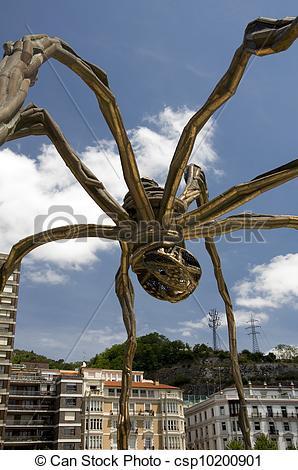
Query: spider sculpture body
(153,223)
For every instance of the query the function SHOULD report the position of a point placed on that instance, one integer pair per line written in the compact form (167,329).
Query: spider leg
(18,71)
(224,293)
(125,293)
(195,185)
(223,290)
(26,245)
(244,221)
(37,121)
(262,37)
(240,194)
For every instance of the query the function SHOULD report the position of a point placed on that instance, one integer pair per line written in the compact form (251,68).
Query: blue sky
(162,59)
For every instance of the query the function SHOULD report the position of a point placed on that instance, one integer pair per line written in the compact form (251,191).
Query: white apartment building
(212,423)
(156,412)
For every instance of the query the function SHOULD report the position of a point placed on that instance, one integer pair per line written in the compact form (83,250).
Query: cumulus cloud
(270,285)
(46,276)
(29,187)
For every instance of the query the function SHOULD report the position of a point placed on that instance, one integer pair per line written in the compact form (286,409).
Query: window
(69,446)
(6,300)
(172,407)
(71,388)
(148,442)
(95,424)
(222,410)
(147,424)
(255,410)
(132,442)
(286,426)
(69,431)
(115,407)
(8,289)
(111,392)
(3,341)
(212,412)
(173,442)
(147,407)
(223,426)
(284,412)
(205,414)
(197,434)
(70,416)
(234,426)
(269,411)
(225,441)
(131,408)
(206,431)
(257,426)
(143,393)
(214,429)
(201,417)
(135,393)
(95,405)
(171,425)
(95,442)
(70,402)
(289,442)
(151,393)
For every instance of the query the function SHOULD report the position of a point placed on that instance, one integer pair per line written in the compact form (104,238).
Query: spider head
(167,273)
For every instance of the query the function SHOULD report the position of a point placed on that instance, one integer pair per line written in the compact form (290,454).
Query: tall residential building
(156,412)
(273,411)
(44,409)
(8,311)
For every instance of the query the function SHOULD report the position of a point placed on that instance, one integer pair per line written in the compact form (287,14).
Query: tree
(235,445)
(263,442)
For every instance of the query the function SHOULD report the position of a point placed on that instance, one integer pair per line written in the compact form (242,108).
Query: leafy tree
(235,445)
(264,442)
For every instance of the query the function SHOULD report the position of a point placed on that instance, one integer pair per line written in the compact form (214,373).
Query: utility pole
(253,333)
(214,323)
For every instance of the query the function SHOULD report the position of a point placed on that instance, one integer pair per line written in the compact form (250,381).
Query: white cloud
(270,285)
(46,276)
(30,187)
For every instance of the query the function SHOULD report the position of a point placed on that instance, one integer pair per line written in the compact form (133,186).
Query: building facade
(8,312)
(156,412)
(44,409)
(273,411)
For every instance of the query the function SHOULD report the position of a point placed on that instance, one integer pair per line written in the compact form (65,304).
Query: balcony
(31,422)
(34,393)
(146,413)
(273,432)
(28,438)
(30,407)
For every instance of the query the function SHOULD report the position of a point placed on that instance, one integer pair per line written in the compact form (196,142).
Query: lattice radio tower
(214,323)
(253,332)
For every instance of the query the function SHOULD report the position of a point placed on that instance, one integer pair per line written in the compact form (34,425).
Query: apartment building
(44,409)
(156,412)
(8,312)
(212,423)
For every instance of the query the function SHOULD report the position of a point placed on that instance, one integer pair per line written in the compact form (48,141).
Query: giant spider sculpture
(152,224)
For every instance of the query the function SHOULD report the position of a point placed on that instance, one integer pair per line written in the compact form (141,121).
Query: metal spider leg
(125,293)
(240,194)
(26,245)
(262,37)
(237,222)
(195,185)
(18,70)
(223,290)
(37,121)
